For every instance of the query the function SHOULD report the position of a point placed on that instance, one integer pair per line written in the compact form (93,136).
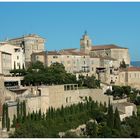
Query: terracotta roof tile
(131,69)
(53,53)
(39,53)
(70,49)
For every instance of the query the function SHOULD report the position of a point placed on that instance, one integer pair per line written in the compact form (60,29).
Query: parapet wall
(96,95)
(58,95)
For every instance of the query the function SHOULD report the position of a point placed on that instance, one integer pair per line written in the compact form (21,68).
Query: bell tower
(85,43)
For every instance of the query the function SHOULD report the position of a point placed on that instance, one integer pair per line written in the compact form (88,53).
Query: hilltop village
(42,79)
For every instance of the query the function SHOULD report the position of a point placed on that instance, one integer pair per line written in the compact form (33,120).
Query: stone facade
(130,76)
(5,63)
(44,97)
(125,109)
(85,43)
(30,43)
(17,59)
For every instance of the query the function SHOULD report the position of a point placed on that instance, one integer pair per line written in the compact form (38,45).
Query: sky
(62,24)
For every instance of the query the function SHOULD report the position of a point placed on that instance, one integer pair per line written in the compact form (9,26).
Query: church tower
(85,43)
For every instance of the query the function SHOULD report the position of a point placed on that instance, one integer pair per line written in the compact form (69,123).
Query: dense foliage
(123,64)
(5,117)
(119,92)
(105,124)
(38,74)
(59,120)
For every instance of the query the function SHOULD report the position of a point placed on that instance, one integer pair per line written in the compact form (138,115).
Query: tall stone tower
(30,43)
(85,43)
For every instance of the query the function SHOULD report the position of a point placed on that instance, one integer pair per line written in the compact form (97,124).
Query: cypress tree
(62,110)
(43,116)
(39,114)
(21,109)
(46,116)
(7,118)
(110,117)
(29,116)
(3,116)
(36,116)
(8,124)
(18,108)
(24,109)
(117,122)
(14,121)
(33,115)
(91,129)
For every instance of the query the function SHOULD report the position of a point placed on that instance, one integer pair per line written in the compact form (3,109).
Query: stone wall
(96,95)
(56,96)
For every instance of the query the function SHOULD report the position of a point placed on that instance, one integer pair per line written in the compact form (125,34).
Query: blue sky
(63,23)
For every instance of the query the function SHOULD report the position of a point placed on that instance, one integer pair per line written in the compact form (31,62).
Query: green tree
(8,124)
(104,131)
(14,121)
(110,117)
(3,116)
(7,117)
(24,110)
(108,92)
(117,122)
(91,129)
(92,82)
(123,64)
(18,109)
(37,65)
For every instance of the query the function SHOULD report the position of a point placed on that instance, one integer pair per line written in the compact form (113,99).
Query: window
(84,62)
(17,57)
(66,99)
(92,69)
(130,75)
(55,56)
(69,99)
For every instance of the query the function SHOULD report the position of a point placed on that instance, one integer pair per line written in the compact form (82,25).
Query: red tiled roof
(105,47)
(53,53)
(131,69)
(40,53)
(70,49)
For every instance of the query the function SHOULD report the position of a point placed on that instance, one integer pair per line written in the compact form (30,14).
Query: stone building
(130,76)
(5,62)
(125,109)
(39,56)
(30,43)
(85,43)
(110,50)
(17,58)
(55,96)
(74,61)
